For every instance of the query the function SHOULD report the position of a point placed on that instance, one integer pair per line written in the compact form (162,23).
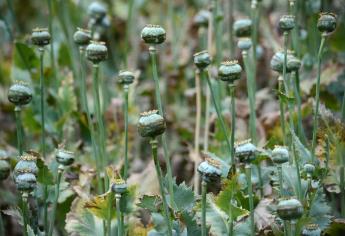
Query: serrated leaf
(183,197)
(320,210)
(85,224)
(242,228)
(66,96)
(150,202)
(303,153)
(25,57)
(30,231)
(216,218)
(15,213)
(193,228)
(44,175)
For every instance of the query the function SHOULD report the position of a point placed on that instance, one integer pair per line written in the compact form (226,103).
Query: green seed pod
(202,59)
(280,155)
(292,63)
(287,22)
(151,124)
(210,170)
(311,230)
(201,18)
(64,157)
(26,164)
(245,151)
(96,52)
(40,37)
(97,11)
(5,166)
(229,71)
(82,37)
(126,77)
(26,182)
(119,186)
(153,34)
(327,23)
(290,209)
(243,28)
(20,94)
(244,43)
(309,168)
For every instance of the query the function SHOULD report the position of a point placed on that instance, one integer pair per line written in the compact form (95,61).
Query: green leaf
(30,231)
(193,229)
(216,218)
(44,174)
(152,203)
(25,57)
(64,58)
(303,153)
(242,228)
(85,224)
(320,210)
(99,205)
(286,99)
(15,214)
(183,197)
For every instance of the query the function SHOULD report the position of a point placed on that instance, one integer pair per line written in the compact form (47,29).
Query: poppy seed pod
(97,11)
(243,28)
(290,209)
(280,155)
(229,71)
(201,18)
(119,186)
(151,124)
(5,166)
(153,34)
(40,37)
(26,164)
(292,63)
(20,94)
(96,52)
(210,170)
(311,230)
(245,151)
(64,157)
(244,43)
(82,37)
(26,182)
(126,77)
(287,22)
(327,23)
(309,168)
(202,59)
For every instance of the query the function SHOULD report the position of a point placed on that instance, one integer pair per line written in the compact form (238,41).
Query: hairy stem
(57,191)
(154,147)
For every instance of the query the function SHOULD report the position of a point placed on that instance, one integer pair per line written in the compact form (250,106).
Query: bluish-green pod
(151,124)
(153,34)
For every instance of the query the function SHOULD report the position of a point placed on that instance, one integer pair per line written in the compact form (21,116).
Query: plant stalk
(299,184)
(317,96)
(280,173)
(153,55)
(57,192)
(297,93)
(17,111)
(251,200)
(282,110)
(118,215)
(203,207)
(154,146)
(25,197)
(197,132)
(342,190)
(126,167)
(232,87)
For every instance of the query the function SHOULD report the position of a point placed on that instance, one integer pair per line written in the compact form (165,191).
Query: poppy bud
(20,94)
(119,186)
(287,22)
(327,23)
(40,37)
(26,182)
(96,52)
(64,157)
(202,59)
(243,28)
(280,155)
(290,209)
(97,11)
(153,34)
(126,77)
(245,151)
(5,167)
(82,37)
(229,71)
(151,124)
(210,170)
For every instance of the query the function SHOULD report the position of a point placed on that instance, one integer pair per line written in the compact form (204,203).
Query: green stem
(232,87)
(128,29)
(125,171)
(110,209)
(57,192)
(231,33)
(282,110)
(2,229)
(154,146)
(153,55)
(197,132)
(317,96)
(342,190)
(207,117)
(255,14)
(51,31)
(25,213)
(17,111)
(220,117)
(118,215)
(251,200)
(292,228)
(261,184)
(231,220)
(43,146)
(297,92)
(286,228)
(203,207)
(299,183)
(251,97)
(280,173)
(327,152)
(343,108)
